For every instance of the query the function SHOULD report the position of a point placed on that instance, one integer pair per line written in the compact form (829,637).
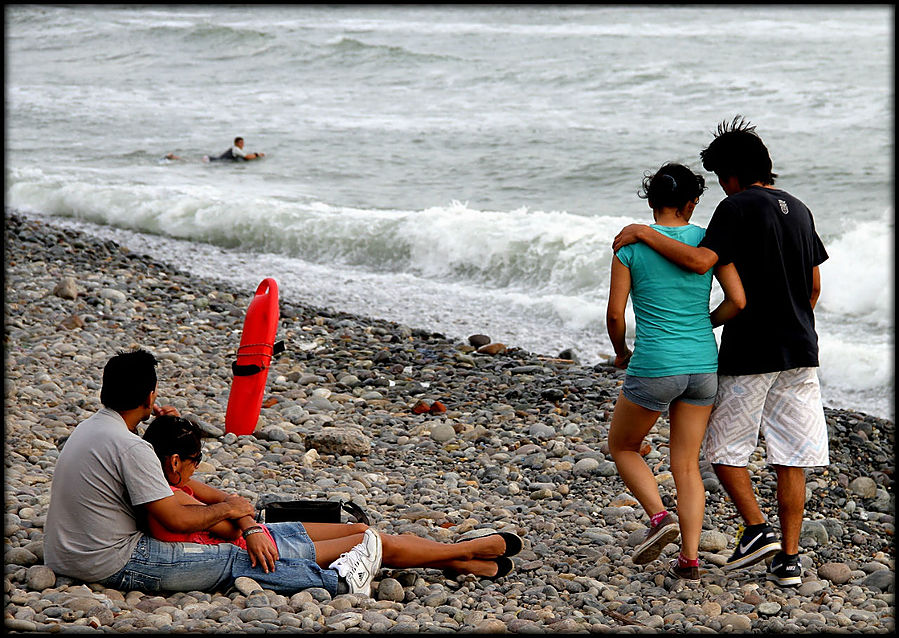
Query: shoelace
(337,564)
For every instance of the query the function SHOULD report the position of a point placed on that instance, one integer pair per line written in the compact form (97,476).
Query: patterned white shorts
(785,405)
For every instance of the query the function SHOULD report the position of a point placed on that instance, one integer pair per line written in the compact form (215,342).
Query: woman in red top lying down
(177,442)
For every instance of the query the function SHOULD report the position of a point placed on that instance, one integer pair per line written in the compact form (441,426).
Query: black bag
(310,512)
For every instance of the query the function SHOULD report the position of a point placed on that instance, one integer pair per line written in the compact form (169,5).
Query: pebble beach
(431,436)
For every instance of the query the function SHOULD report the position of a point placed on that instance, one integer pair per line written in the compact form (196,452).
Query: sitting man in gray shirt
(106,475)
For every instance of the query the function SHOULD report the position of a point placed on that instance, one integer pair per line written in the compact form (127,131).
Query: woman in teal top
(673,367)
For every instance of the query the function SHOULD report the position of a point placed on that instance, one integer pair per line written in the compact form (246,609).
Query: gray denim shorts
(657,393)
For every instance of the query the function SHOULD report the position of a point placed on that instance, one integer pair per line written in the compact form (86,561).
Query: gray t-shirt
(102,473)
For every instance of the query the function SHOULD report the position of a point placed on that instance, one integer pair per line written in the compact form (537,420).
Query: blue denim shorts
(292,540)
(657,393)
(164,566)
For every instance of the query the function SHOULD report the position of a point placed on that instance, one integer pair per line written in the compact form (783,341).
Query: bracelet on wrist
(255,529)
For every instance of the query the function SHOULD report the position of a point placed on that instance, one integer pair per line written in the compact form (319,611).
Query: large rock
(247,586)
(490,626)
(391,589)
(837,573)
(586,466)
(72,322)
(66,288)
(492,348)
(739,622)
(20,556)
(273,433)
(834,528)
(882,580)
(339,441)
(40,577)
(113,295)
(863,486)
(711,540)
(442,432)
(814,530)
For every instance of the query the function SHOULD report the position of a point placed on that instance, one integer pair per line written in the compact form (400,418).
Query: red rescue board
(254,357)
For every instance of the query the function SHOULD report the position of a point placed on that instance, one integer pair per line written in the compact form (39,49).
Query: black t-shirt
(770,236)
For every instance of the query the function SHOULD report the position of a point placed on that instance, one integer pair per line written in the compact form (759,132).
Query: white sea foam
(857,279)
(537,251)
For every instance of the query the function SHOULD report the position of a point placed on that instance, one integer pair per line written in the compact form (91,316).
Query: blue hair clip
(673,181)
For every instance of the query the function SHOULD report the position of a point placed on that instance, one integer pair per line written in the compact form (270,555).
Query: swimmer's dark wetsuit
(226,156)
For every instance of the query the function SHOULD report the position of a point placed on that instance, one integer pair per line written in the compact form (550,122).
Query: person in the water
(236,153)
(233,154)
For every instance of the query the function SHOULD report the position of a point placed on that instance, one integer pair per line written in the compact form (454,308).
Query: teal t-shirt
(671,308)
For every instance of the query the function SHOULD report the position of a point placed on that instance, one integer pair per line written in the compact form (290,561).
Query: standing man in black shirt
(769,353)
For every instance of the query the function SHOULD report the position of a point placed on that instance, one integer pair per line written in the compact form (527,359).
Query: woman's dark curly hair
(672,185)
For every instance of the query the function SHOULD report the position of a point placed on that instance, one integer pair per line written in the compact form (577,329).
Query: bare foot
(487,547)
(482,568)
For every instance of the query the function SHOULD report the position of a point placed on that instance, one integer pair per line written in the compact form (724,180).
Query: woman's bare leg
(477,567)
(688,425)
(630,425)
(407,550)
(328,531)
(327,551)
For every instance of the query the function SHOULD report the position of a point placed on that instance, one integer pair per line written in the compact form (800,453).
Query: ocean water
(462,169)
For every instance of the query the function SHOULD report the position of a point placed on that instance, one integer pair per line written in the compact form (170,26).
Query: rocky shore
(430,436)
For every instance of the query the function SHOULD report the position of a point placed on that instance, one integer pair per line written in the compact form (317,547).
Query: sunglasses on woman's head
(196,459)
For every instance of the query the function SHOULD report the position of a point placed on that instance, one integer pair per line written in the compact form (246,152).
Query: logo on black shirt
(783,206)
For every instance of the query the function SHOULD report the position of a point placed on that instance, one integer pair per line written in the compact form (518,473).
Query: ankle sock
(654,520)
(683,561)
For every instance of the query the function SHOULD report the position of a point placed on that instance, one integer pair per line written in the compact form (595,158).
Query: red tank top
(160,532)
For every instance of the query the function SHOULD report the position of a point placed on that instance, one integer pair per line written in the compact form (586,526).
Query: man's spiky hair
(739,123)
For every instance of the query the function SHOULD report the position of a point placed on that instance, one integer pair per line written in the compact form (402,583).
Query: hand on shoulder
(630,234)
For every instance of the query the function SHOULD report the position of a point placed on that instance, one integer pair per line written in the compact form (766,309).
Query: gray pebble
(837,573)
(442,432)
(20,556)
(863,486)
(882,580)
(814,531)
(391,589)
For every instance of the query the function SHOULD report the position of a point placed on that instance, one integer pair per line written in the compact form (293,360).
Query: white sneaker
(359,565)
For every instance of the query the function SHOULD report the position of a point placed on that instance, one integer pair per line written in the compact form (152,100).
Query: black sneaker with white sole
(754,543)
(785,570)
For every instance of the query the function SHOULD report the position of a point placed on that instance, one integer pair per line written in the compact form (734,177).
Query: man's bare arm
(734,295)
(816,286)
(194,518)
(693,258)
